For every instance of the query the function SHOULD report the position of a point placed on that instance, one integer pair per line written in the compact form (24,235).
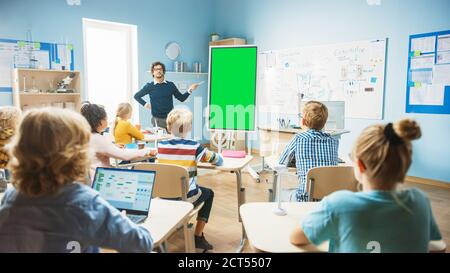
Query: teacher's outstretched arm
(139,96)
(182,97)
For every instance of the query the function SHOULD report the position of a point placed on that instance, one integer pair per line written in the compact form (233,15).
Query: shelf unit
(229,41)
(41,81)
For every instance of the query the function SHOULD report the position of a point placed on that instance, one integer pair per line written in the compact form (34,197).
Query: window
(110,63)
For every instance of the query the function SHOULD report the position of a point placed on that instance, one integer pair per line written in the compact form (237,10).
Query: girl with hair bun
(380,218)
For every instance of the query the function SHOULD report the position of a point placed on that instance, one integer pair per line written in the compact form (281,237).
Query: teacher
(161,93)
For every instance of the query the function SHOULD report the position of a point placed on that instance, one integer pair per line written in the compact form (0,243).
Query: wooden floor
(224,231)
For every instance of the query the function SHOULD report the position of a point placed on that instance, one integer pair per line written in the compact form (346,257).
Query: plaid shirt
(311,149)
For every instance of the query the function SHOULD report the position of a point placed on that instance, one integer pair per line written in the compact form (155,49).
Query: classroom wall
(285,23)
(268,23)
(159,22)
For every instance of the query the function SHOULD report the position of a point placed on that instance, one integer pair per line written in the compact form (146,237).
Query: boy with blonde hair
(186,152)
(312,147)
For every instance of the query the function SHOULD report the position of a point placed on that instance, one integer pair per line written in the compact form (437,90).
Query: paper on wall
(443,43)
(42,59)
(6,64)
(443,57)
(425,44)
(422,76)
(441,74)
(424,61)
(427,95)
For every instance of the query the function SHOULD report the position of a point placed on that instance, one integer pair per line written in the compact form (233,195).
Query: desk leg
(256,170)
(241,200)
(188,238)
(240,192)
(243,240)
(273,191)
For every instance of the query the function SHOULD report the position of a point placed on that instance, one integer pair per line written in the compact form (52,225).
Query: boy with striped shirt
(185,152)
(311,148)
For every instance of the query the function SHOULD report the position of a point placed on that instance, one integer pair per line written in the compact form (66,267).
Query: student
(9,120)
(311,148)
(379,218)
(50,209)
(102,146)
(123,130)
(185,152)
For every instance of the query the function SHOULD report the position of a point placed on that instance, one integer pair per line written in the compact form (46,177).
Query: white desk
(234,165)
(165,217)
(153,137)
(268,232)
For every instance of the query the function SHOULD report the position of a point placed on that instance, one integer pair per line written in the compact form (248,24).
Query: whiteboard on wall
(352,72)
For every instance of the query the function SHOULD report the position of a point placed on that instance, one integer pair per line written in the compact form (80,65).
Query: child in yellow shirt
(124,131)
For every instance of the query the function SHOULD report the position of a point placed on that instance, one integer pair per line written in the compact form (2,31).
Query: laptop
(126,190)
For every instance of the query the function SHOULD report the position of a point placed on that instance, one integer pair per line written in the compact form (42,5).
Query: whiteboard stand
(219,142)
(255,170)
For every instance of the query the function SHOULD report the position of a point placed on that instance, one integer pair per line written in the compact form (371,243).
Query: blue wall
(268,23)
(187,22)
(285,23)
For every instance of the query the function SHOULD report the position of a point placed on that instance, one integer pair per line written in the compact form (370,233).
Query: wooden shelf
(229,41)
(48,94)
(48,70)
(45,79)
(191,73)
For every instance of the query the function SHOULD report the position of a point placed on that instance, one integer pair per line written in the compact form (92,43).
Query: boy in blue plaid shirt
(311,148)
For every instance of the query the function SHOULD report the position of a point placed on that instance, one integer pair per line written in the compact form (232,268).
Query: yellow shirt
(125,131)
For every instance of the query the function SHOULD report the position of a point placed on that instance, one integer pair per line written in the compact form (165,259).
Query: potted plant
(214,36)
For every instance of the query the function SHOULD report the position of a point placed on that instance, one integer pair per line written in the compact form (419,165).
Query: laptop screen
(124,189)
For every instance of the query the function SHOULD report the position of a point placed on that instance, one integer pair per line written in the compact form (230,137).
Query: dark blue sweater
(160,97)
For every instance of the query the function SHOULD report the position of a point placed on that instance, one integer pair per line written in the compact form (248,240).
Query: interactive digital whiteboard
(232,87)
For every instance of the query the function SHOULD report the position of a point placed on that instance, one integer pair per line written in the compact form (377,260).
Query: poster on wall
(428,80)
(33,55)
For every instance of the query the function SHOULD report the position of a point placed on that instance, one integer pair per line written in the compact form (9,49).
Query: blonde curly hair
(51,150)
(179,122)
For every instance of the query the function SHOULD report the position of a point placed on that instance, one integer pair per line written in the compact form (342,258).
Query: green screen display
(232,88)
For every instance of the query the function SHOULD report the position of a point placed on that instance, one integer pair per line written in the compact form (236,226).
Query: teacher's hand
(148,106)
(193,86)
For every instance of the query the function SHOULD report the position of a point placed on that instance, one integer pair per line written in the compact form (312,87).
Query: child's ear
(360,165)
(304,122)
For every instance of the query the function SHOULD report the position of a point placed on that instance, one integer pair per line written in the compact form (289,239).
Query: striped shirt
(311,149)
(186,153)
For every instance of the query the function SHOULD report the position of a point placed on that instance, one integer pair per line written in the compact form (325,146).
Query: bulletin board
(26,54)
(428,80)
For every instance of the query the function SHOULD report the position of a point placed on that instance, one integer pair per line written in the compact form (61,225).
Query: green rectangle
(232,94)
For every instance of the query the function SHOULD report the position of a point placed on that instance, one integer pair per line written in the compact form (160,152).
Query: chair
(171,182)
(322,181)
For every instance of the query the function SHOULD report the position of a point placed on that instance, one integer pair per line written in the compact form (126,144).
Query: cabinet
(34,88)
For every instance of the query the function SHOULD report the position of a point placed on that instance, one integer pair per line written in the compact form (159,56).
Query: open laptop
(128,190)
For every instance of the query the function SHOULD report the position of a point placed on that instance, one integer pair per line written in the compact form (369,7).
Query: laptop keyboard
(136,218)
